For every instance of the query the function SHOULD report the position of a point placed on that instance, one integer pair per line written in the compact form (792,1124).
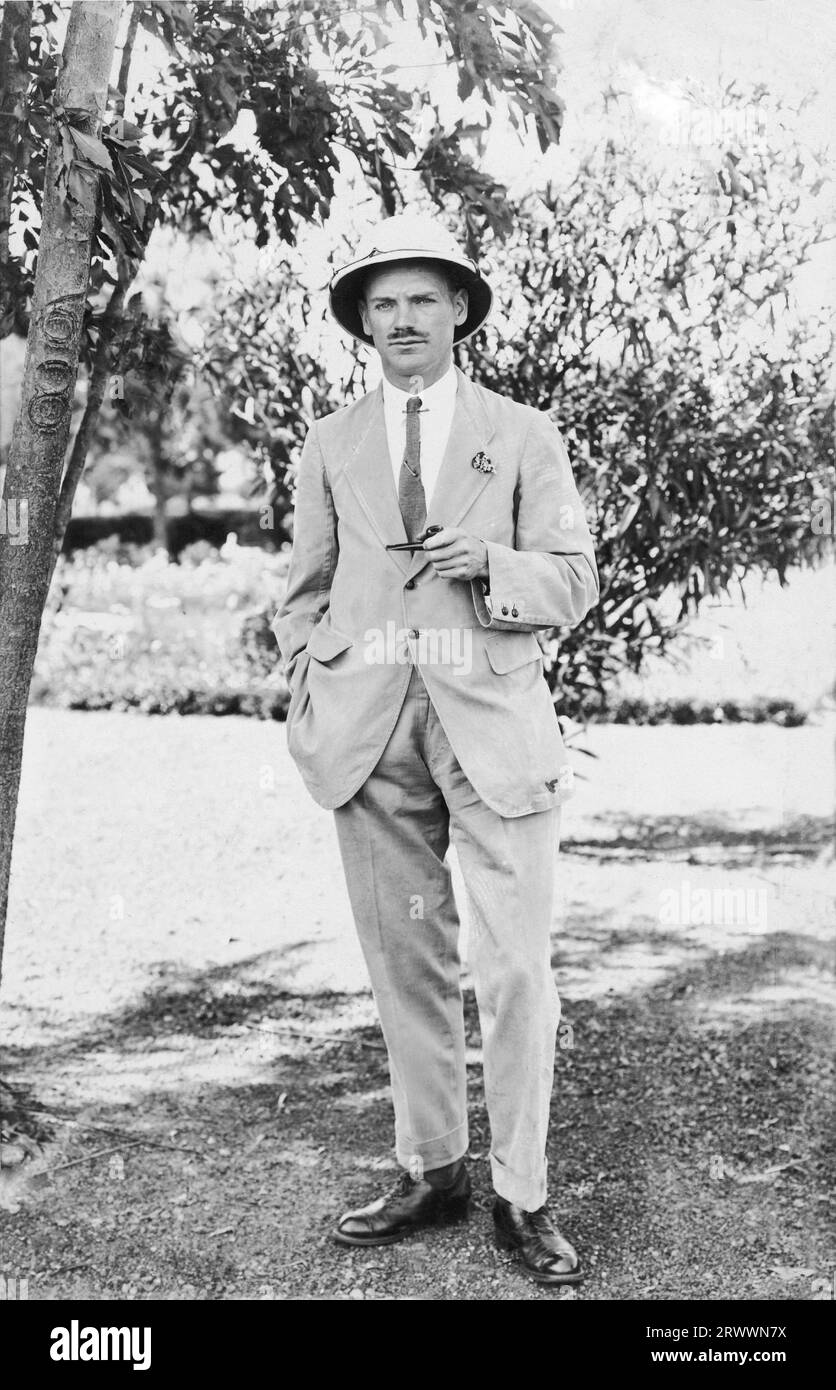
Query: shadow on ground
(717,840)
(204,1140)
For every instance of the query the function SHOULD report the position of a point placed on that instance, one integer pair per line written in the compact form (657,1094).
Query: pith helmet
(407,237)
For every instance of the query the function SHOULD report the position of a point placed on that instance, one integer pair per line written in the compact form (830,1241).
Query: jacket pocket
(325,643)
(507,651)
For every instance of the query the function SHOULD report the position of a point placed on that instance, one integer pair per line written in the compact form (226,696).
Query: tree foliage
(175,162)
(171,162)
(268,386)
(653,316)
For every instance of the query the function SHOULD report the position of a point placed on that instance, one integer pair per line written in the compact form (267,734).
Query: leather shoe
(410,1206)
(543,1252)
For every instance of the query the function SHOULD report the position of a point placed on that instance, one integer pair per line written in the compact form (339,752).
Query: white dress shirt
(438,403)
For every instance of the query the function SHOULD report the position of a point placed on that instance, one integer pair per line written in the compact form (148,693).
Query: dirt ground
(188,1034)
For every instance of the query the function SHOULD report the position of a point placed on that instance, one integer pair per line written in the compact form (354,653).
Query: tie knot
(413,405)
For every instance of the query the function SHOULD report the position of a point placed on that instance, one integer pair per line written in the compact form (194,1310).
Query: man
(419,713)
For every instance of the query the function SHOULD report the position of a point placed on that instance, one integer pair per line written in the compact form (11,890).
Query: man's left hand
(456,555)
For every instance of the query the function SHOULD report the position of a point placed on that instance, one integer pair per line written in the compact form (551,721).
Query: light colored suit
(414,754)
(346,593)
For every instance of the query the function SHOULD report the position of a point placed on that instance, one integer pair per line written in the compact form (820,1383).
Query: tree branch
(111,320)
(14,79)
(127,54)
(97,386)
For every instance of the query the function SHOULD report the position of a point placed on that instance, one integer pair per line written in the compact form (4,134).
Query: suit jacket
(342,627)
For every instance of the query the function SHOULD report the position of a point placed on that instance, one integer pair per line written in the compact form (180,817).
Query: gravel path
(182,971)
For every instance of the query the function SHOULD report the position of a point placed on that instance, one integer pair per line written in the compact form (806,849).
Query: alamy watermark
(14,519)
(823,516)
(715,127)
(431,646)
(686,906)
(13,1288)
(79,1342)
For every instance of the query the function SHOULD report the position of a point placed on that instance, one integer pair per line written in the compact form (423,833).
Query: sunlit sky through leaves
(665,65)
(658,68)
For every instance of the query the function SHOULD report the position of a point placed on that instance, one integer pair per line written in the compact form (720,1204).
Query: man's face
(411,317)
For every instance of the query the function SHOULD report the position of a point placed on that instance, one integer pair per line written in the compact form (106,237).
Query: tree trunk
(41,430)
(15,27)
(109,326)
(157,482)
(161,523)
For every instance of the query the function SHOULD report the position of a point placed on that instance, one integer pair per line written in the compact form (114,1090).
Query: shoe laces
(404,1184)
(541,1220)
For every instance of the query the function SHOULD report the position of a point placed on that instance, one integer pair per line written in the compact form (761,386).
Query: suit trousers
(393,836)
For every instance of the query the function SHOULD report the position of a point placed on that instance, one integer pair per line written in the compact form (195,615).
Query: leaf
(629,515)
(113,231)
(123,131)
(135,209)
(179,12)
(67,150)
(92,149)
(40,124)
(79,185)
(227,95)
(141,164)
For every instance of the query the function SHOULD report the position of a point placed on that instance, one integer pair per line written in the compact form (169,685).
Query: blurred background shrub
(127,627)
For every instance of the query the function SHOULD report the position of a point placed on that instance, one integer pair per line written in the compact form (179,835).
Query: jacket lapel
(458,484)
(369,472)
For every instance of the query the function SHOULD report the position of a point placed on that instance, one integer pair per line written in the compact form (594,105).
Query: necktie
(411,497)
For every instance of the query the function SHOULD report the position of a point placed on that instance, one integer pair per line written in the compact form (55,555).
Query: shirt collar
(440,393)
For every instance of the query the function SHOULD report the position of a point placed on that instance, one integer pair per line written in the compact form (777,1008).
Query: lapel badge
(564,780)
(482,462)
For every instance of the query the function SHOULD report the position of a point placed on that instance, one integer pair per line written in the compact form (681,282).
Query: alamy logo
(76,1343)
(686,906)
(14,519)
(13,1289)
(432,646)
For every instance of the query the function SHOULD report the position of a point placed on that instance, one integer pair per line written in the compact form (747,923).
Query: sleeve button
(505,608)
(515,612)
